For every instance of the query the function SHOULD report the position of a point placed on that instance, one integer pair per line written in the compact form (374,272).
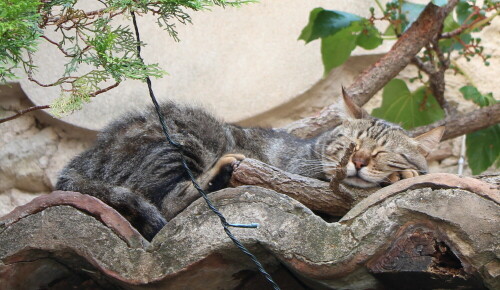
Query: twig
(19,114)
(426,67)
(443,61)
(436,81)
(58,82)
(473,25)
(60,20)
(58,46)
(104,90)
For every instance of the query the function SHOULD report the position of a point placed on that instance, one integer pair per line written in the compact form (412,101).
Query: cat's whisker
(317,169)
(401,170)
(311,162)
(336,168)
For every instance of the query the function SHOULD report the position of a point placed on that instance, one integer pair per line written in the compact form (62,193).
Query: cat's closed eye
(375,154)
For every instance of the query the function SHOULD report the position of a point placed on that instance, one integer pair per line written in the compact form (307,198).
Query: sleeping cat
(135,170)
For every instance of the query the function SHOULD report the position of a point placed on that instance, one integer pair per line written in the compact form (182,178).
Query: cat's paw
(228,160)
(231,158)
(222,171)
(404,174)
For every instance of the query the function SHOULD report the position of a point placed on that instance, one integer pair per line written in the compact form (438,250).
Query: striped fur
(132,168)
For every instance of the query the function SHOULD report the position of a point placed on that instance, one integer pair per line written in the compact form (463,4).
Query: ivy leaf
(471,93)
(369,38)
(483,148)
(448,45)
(323,23)
(336,48)
(411,110)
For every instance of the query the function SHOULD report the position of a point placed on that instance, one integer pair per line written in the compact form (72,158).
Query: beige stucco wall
(238,62)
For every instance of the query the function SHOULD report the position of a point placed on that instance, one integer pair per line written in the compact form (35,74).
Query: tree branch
(315,194)
(458,125)
(426,28)
(104,89)
(19,114)
(436,73)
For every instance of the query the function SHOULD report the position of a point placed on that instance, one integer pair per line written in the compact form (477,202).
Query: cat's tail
(144,216)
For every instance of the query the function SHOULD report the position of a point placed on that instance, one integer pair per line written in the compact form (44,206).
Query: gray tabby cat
(135,170)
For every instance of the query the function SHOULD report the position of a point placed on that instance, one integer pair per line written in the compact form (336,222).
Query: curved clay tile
(403,236)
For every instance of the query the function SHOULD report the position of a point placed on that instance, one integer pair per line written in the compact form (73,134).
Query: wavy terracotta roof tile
(413,235)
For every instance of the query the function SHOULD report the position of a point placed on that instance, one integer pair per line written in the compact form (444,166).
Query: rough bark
(314,193)
(460,124)
(426,28)
(337,200)
(424,235)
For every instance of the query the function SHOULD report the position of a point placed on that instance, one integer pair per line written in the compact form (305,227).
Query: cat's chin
(359,182)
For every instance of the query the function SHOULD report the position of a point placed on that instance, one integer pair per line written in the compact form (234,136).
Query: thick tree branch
(458,125)
(320,196)
(426,28)
(315,194)
(423,30)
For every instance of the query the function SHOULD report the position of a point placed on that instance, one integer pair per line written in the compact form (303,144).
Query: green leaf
(369,38)
(389,31)
(411,110)
(471,93)
(463,11)
(306,33)
(323,23)
(450,24)
(483,148)
(336,48)
(448,45)
(440,3)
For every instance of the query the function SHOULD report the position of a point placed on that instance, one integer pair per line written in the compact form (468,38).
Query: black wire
(223,220)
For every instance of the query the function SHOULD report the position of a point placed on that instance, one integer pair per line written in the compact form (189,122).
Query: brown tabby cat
(135,170)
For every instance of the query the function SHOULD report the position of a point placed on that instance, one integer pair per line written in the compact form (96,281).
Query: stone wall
(32,153)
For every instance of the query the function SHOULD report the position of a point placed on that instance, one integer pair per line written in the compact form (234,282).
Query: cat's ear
(429,140)
(352,110)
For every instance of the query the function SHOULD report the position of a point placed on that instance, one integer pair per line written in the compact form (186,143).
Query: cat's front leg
(219,175)
(214,179)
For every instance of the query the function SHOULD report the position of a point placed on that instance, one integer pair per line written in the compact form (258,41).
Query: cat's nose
(359,163)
